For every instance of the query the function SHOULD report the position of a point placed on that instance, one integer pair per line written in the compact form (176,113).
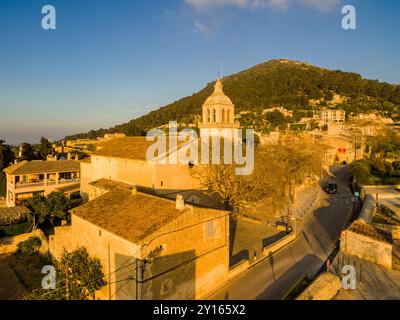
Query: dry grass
(370,231)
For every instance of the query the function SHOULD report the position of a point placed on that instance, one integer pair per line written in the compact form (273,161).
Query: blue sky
(111,61)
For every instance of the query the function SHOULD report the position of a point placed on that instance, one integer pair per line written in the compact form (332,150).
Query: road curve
(271,278)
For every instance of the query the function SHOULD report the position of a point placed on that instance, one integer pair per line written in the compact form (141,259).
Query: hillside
(295,85)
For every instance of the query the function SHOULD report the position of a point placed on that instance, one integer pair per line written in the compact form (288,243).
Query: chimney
(76,157)
(134,190)
(69,156)
(180,202)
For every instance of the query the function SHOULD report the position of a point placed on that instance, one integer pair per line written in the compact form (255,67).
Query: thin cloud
(209,4)
(201,28)
(320,5)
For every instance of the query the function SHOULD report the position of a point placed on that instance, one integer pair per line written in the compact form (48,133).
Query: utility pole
(67,297)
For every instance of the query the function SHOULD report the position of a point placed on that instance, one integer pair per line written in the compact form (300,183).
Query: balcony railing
(30,185)
(42,183)
(65,181)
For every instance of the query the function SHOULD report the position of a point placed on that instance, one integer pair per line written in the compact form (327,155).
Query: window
(209,234)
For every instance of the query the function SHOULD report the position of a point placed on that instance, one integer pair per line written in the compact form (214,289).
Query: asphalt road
(271,278)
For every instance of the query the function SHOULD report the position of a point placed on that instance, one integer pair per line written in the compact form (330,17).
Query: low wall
(9,245)
(271,249)
(238,269)
(325,287)
(368,209)
(367,243)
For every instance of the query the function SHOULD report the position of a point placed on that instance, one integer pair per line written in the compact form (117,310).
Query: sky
(109,61)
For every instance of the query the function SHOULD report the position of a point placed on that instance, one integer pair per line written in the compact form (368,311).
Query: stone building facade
(149,247)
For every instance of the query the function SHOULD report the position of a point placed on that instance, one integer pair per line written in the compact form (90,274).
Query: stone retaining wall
(10,244)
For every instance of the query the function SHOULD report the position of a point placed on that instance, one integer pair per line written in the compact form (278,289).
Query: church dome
(218,97)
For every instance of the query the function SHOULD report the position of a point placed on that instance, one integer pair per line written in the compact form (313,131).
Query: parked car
(331,188)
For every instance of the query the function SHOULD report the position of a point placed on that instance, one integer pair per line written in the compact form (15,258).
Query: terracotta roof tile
(13,215)
(134,217)
(31,167)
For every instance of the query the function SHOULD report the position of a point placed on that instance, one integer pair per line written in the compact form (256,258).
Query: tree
(44,148)
(6,158)
(78,277)
(27,152)
(242,192)
(50,209)
(6,155)
(276,118)
(361,171)
(84,273)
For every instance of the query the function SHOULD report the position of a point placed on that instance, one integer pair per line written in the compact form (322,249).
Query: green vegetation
(6,158)
(50,211)
(30,246)
(44,148)
(277,169)
(78,277)
(38,151)
(16,229)
(273,83)
(382,166)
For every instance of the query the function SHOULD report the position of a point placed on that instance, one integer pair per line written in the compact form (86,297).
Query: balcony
(65,181)
(30,185)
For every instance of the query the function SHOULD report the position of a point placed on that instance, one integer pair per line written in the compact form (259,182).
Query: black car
(331,188)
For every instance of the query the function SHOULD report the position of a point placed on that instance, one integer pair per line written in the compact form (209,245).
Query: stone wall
(188,266)
(10,244)
(366,248)
(278,245)
(161,178)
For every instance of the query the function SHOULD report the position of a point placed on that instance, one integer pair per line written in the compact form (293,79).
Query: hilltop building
(332,115)
(219,115)
(285,112)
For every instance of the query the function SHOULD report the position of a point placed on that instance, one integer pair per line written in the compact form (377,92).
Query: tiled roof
(128,148)
(13,215)
(31,167)
(111,185)
(135,217)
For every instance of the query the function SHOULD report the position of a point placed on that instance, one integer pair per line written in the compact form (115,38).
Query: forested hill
(277,82)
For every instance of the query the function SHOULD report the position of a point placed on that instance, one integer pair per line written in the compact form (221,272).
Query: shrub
(30,246)
(15,229)
(361,171)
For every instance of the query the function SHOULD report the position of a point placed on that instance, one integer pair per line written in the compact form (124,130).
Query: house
(150,247)
(124,160)
(285,112)
(28,178)
(332,115)
(85,144)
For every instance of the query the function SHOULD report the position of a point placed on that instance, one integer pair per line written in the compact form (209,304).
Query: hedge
(15,229)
